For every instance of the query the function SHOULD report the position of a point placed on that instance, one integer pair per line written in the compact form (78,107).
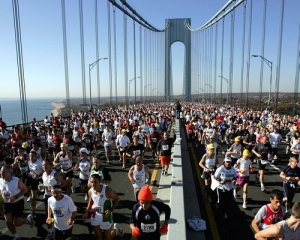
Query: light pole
(90,81)
(145,89)
(130,81)
(270,64)
(226,80)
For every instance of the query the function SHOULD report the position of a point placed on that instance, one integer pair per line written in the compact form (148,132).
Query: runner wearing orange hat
(145,222)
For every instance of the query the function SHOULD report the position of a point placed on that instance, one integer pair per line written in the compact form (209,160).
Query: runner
(291,176)
(244,167)
(13,190)
(137,176)
(263,152)
(209,162)
(164,147)
(270,213)
(145,217)
(64,211)
(102,201)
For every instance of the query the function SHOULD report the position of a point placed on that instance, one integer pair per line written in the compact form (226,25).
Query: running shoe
(50,235)
(85,197)
(120,160)
(16,238)
(33,214)
(28,199)
(163,172)
(244,205)
(119,230)
(225,216)
(166,173)
(123,167)
(107,161)
(262,188)
(275,157)
(30,220)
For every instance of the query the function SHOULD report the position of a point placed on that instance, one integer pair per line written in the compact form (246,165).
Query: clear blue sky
(43,48)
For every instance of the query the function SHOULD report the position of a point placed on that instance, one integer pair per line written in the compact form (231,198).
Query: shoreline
(58,106)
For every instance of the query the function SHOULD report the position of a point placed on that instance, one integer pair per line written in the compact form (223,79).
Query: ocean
(36,108)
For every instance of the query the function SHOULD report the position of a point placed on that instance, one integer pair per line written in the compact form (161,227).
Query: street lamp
(130,81)
(145,89)
(226,80)
(90,81)
(270,64)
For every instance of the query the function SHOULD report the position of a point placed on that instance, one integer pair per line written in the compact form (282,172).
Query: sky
(43,58)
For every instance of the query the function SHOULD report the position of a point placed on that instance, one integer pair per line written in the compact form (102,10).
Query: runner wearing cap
(244,167)
(122,143)
(209,162)
(141,135)
(50,178)
(235,151)
(64,211)
(225,176)
(84,166)
(153,139)
(145,217)
(102,201)
(64,160)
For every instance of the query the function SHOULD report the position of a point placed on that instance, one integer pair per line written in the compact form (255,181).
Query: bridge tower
(178,32)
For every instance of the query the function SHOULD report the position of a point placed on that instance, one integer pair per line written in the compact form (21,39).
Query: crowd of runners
(44,156)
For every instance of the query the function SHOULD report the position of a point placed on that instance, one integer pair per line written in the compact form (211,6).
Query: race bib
(97,209)
(87,140)
(147,228)
(138,179)
(154,139)
(165,147)
(137,152)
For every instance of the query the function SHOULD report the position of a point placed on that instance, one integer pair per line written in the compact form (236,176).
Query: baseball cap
(210,146)
(212,136)
(246,152)
(24,144)
(123,130)
(84,150)
(63,144)
(237,139)
(227,159)
(139,127)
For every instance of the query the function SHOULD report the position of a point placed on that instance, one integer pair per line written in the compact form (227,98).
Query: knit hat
(145,194)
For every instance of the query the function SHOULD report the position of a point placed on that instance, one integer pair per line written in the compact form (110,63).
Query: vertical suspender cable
(125,58)
(82,52)
(249,53)
(115,55)
(97,48)
(279,56)
(109,52)
(231,55)
(215,62)
(145,64)
(222,61)
(19,53)
(141,65)
(211,62)
(134,61)
(65,46)
(262,53)
(296,87)
(243,54)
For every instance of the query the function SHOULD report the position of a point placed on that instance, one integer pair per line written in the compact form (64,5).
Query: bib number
(148,228)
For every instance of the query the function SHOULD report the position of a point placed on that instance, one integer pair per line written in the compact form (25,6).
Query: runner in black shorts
(291,176)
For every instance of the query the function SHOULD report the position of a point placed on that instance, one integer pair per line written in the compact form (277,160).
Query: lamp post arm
(94,63)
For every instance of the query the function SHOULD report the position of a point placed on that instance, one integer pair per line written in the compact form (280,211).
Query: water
(36,108)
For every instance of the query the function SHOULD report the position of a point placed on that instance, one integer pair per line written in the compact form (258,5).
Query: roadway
(236,227)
